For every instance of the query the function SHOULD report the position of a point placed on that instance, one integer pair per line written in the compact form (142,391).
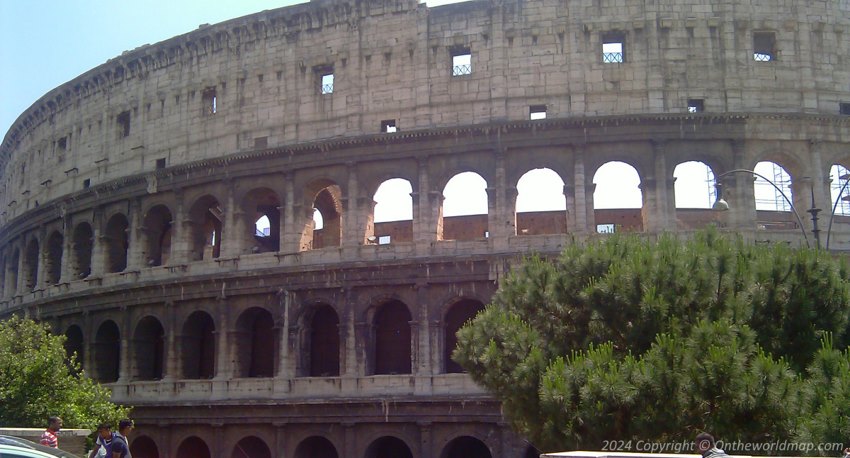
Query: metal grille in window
(612,57)
(327,84)
(459,70)
(762,57)
(462,64)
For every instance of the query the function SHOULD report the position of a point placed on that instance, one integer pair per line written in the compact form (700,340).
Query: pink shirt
(49,439)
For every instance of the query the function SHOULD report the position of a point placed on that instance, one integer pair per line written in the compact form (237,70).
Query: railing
(460,70)
(612,57)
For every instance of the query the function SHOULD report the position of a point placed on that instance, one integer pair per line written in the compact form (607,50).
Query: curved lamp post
(722,205)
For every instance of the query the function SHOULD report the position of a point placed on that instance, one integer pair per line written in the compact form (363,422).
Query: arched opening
(157,229)
(74,346)
(207,222)
(149,349)
(198,346)
(388,447)
(107,352)
(257,343)
(320,342)
(463,215)
(316,447)
(617,199)
(251,447)
(541,205)
(327,225)
(53,266)
(83,244)
(393,214)
(694,194)
(117,243)
(31,265)
(465,447)
(838,177)
(11,281)
(263,218)
(144,447)
(768,198)
(193,447)
(459,313)
(392,339)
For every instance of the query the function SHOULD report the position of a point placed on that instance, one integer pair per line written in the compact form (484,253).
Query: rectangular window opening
(461,61)
(123,121)
(605,228)
(844,108)
(764,46)
(384,240)
(537,112)
(388,126)
(209,101)
(86,183)
(613,48)
(695,106)
(327,83)
(62,143)
(160,163)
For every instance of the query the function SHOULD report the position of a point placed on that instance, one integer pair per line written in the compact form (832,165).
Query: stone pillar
(290,231)
(98,256)
(363,341)
(348,361)
(89,343)
(124,371)
(285,366)
(67,273)
(649,209)
(738,191)
(357,220)
(425,439)
(136,253)
(664,211)
(279,449)
(232,244)
(20,284)
(583,212)
(171,368)
(349,439)
(40,273)
(501,207)
(223,366)
(181,233)
(423,224)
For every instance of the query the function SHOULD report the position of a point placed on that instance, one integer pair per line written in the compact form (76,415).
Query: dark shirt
(119,445)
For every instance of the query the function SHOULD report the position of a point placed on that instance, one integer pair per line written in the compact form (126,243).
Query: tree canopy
(37,380)
(629,339)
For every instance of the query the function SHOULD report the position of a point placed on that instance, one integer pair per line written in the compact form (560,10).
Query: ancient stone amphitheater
(131,197)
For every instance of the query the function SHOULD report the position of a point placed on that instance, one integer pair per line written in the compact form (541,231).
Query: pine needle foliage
(625,338)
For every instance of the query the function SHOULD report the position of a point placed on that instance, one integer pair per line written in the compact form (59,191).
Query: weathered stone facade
(129,197)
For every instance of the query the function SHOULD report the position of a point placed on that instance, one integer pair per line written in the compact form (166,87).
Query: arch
(694,185)
(388,447)
(198,349)
(767,197)
(11,278)
(74,345)
(320,342)
(117,241)
(327,201)
(251,447)
(262,204)
(149,349)
(465,447)
(53,265)
(464,200)
(617,198)
(391,326)
(193,447)
(107,352)
(207,227)
(144,446)
(31,265)
(83,244)
(316,447)
(458,314)
(393,211)
(257,343)
(838,176)
(540,204)
(158,231)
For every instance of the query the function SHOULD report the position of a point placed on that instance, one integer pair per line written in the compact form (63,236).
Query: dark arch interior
(83,243)
(264,202)
(316,447)
(324,342)
(158,233)
(207,227)
(53,267)
(392,339)
(107,352)
(11,280)
(465,447)
(388,447)
(457,316)
(74,344)
(331,232)
(144,447)
(199,346)
(193,447)
(117,242)
(251,447)
(149,348)
(257,347)
(31,265)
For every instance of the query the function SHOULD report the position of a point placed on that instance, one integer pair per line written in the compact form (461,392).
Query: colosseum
(197,216)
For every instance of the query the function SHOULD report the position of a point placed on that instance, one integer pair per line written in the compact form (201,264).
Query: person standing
(120,446)
(101,444)
(48,437)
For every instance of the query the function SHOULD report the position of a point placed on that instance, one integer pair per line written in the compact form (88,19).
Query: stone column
(223,366)
(279,449)
(232,241)
(423,224)
(181,233)
(171,369)
(583,212)
(738,191)
(425,439)
(349,439)
(98,256)
(124,371)
(40,274)
(285,366)
(357,220)
(501,207)
(348,361)
(292,220)
(136,253)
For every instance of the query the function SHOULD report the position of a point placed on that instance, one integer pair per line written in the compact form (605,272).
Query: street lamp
(721,205)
